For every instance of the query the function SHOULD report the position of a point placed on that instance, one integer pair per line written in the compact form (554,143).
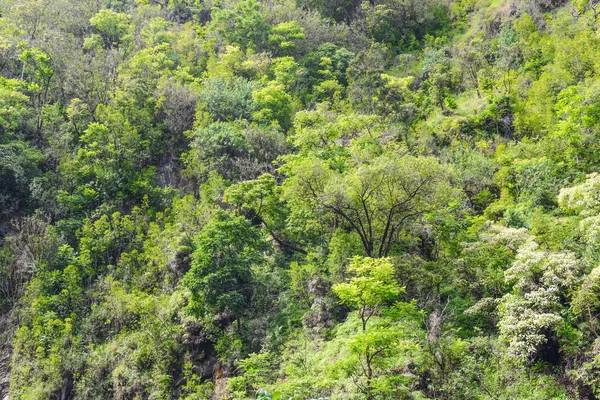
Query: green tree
(284,36)
(273,104)
(216,148)
(376,198)
(12,106)
(260,200)
(243,25)
(227,100)
(112,26)
(19,166)
(220,278)
(372,285)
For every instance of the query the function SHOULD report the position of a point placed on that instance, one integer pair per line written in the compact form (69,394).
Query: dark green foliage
(299,199)
(220,277)
(227,101)
(402,24)
(340,10)
(19,165)
(243,25)
(216,147)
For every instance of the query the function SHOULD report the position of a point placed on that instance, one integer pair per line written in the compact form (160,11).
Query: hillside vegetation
(299,199)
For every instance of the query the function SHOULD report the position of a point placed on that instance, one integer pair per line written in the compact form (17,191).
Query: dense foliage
(299,199)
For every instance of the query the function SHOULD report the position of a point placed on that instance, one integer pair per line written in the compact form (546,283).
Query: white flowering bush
(534,268)
(584,199)
(532,310)
(524,326)
(480,270)
(500,235)
(586,301)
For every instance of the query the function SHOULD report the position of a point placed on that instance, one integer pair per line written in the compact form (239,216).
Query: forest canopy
(299,199)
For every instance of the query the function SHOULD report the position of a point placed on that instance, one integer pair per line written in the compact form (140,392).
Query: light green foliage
(273,104)
(480,271)
(371,285)
(285,70)
(586,301)
(12,105)
(112,26)
(243,25)
(258,198)
(157,32)
(582,199)
(400,102)
(299,199)
(284,35)
(377,193)
(258,370)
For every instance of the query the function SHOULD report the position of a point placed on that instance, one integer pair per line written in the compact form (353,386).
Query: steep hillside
(299,199)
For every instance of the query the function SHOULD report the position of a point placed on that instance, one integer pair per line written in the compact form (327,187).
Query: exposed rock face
(221,375)
(320,315)
(435,326)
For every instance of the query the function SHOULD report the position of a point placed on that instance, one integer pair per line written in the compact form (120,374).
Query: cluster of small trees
(299,199)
